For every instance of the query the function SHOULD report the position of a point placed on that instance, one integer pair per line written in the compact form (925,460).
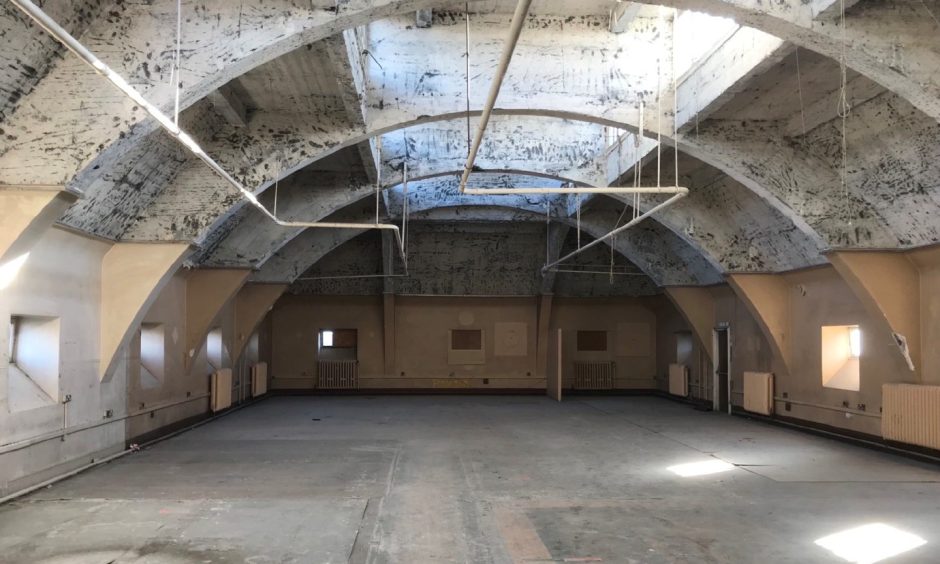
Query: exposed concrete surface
(474,479)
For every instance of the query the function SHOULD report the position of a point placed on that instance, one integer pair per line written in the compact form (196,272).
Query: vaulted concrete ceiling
(326,100)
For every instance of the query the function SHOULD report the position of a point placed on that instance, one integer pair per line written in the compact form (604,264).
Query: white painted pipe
(61,433)
(604,272)
(60,34)
(117,455)
(681,193)
(515,29)
(579,190)
(350,277)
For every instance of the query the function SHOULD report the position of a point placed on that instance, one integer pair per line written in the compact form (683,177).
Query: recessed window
(338,344)
(338,338)
(33,362)
(466,340)
(592,341)
(152,355)
(466,347)
(841,349)
(855,341)
(216,351)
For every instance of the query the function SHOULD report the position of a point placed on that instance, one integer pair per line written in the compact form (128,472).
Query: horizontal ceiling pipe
(604,272)
(679,194)
(350,277)
(44,21)
(515,29)
(579,190)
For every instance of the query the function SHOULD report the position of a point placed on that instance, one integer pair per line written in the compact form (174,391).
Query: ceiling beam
(228,103)
(345,53)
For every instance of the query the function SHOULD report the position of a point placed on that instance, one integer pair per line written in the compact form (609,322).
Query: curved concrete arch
(141,50)
(222,62)
(136,41)
(665,258)
(256,240)
(892,42)
(190,189)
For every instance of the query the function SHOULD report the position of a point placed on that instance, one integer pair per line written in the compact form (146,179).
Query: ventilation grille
(759,392)
(594,375)
(679,380)
(338,374)
(911,414)
(221,397)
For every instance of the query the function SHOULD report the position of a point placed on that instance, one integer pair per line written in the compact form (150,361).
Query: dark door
(722,368)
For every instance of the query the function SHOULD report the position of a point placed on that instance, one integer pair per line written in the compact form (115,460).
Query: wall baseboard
(856,438)
(412,392)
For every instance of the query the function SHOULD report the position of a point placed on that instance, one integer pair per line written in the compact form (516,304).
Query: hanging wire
(469,139)
(799,86)
(930,13)
(579,221)
(404,213)
(548,231)
(378,175)
(843,112)
(675,101)
(277,178)
(178,79)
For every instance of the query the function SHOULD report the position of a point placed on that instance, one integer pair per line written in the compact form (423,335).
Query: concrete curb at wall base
(94,463)
(856,438)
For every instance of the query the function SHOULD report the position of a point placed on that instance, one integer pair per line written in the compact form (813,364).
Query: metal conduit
(515,29)
(680,193)
(60,34)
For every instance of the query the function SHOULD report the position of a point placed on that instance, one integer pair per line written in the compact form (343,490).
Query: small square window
(466,340)
(841,348)
(152,355)
(592,341)
(33,358)
(855,341)
(339,338)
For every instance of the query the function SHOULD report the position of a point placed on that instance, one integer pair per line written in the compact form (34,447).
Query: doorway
(721,338)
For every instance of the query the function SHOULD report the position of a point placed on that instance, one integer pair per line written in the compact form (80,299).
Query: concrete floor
(474,480)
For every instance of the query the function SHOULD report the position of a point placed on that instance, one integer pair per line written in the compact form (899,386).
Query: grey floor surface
(418,480)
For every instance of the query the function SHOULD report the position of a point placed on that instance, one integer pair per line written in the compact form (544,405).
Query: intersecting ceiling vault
(327,100)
